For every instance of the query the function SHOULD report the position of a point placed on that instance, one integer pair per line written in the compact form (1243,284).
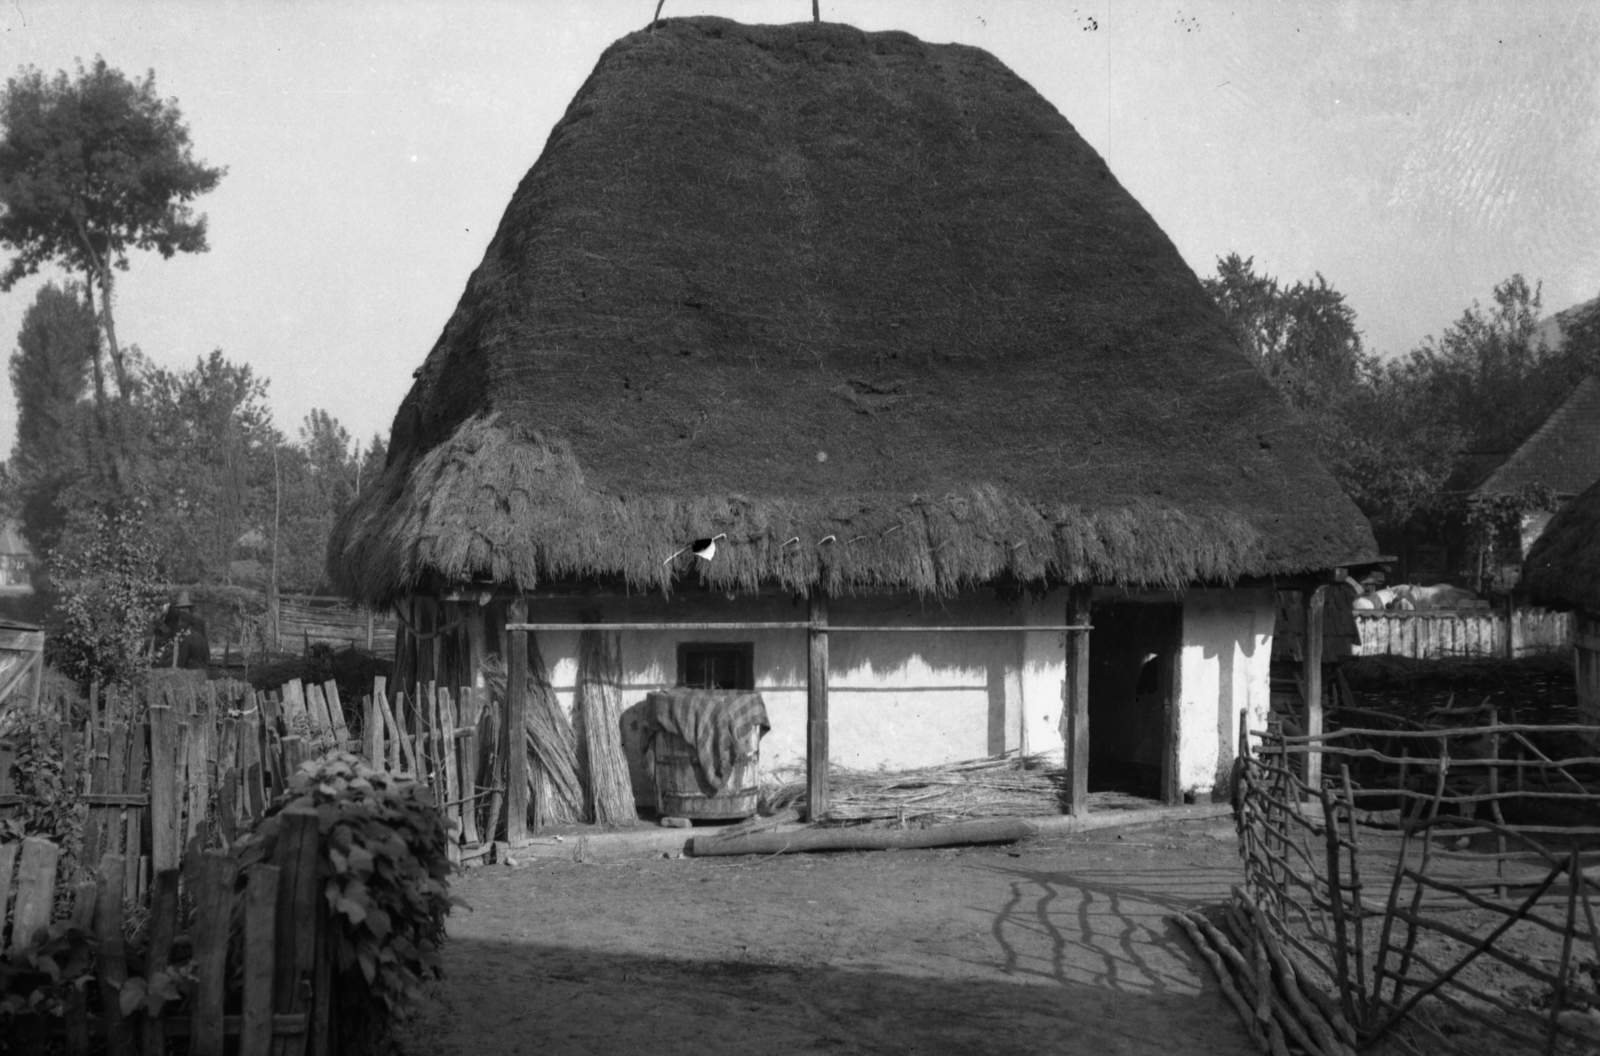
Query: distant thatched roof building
(1563,567)
(1563,454)
(869,306)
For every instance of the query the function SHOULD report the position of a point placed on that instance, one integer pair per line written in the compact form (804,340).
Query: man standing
(186,632)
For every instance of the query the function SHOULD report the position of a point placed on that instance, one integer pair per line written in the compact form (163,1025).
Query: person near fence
(181,634)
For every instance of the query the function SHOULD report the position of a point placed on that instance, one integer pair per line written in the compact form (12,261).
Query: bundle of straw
(599,722)
(1002,785)
(555,791)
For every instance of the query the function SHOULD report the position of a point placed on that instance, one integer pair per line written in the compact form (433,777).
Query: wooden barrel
(682,790)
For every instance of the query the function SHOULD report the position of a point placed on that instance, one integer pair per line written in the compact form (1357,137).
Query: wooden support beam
(514,744)
(1311,655)
(1075,707)
(817,708)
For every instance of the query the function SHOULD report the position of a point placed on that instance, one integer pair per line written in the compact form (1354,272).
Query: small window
(717,665)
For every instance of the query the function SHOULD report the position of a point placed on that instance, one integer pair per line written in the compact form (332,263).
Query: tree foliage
(91,168)
(109,584)
(49,377)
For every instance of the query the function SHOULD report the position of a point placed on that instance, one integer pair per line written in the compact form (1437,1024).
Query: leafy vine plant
(1494,522)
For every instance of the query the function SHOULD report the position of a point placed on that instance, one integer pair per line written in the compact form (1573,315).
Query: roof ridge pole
(657,17)
(1075,701)
(817,708)
(816,13)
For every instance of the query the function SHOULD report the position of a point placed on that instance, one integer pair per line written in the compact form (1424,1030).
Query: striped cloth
(716,721)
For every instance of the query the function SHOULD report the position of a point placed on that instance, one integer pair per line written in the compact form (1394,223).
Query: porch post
(1311,656)
(817,708)
(1076,703)
(514,743)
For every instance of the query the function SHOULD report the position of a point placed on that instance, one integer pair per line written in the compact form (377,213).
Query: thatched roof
(1563,568)
(1563,454)
(869,306)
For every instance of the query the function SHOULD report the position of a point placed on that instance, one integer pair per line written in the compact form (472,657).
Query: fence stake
(296,924)
(36,883)
(133,781)
(213,905)
(163,930)
(110,959)
(260,908)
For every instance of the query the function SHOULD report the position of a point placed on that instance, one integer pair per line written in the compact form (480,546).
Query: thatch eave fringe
(494,504)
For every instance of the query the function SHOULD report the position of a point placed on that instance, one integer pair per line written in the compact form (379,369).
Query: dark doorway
(1131,656)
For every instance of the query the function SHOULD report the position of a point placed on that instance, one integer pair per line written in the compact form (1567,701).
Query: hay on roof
(1563,567)
(805,281)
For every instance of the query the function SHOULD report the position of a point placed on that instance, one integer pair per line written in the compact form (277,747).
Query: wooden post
(260,907)
(36,885)
(111,961)
(514,744)
(165,845)
(1076,704)
(1311,653)
(299,900)
(163,930)
(817,709)
(213,903)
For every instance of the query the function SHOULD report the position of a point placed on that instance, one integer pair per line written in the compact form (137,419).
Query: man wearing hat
(184,628)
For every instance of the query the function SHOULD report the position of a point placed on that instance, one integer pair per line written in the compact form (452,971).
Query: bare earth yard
(1056,945)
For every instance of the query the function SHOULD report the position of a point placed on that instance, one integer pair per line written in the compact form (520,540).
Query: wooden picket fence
(1447,634)
(285,1004)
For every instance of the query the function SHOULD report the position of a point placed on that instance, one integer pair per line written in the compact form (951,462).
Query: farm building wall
(1223,671)
(905,700)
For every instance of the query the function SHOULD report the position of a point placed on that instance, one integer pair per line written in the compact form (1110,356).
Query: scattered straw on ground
(998,786)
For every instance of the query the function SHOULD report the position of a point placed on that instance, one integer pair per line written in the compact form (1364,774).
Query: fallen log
(864,838)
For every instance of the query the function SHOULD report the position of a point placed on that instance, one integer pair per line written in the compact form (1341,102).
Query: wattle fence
(1454,633)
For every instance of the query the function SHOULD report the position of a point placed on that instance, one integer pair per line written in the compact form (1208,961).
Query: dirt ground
(1053,945)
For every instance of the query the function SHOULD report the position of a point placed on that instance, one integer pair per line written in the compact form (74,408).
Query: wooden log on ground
(1225,979)
(861,838)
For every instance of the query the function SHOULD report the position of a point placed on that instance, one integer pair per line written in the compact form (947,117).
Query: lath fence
(170,778)
(1444,634)
(1433,869)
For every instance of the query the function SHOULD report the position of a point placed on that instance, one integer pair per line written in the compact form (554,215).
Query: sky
(1414,153)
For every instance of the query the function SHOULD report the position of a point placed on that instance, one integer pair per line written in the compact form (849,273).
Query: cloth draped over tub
(716,721)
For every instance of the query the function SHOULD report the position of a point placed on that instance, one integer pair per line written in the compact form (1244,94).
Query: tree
(91,168)
(1303,337)
(49,375)
(105,577)
(208,465)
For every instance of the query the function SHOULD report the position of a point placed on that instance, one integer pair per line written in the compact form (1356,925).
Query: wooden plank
(321,723)
(111,957)
(816,707)
(133,782)
(213,904)
(1312,680)
(341,729)
(98,818)
(1075,708)
(372,727)
(447,750)
(471,705)
(296,918)
(198,777)
(295,718)
(260,911)
(163,931)
(36,889)
(252,801)
(514,746)
(165,847)
(8,863)
(69,747)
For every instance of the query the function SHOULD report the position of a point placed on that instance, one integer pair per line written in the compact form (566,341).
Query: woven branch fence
(1437,876)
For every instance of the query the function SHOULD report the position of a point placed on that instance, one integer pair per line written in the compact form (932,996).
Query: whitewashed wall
(1223,672)
(899,701)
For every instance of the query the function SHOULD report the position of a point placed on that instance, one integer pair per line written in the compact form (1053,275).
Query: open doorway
(1132,653)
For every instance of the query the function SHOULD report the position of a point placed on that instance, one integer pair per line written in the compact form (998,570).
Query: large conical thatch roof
(1563,568)
(790,283)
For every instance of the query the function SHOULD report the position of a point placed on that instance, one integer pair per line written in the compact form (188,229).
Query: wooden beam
(514,743)
(1311,654)
(1075,706)
(817,709)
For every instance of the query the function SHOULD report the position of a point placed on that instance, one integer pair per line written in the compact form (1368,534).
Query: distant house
(16,560)
(1562,455)
(1563,568)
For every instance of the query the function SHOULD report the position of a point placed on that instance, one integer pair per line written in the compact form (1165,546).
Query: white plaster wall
(1223,672)
(896,700)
